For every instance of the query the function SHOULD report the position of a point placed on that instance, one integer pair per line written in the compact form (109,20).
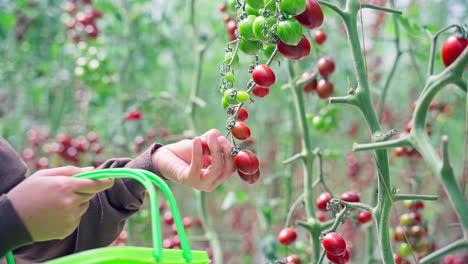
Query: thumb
(63,171)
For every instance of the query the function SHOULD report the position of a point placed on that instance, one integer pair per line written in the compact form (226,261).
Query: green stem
(381,8)
(210,233)
(433,38)
(292,208)
(457,245)
(404,197)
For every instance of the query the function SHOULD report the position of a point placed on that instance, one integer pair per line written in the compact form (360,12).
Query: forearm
(13,233)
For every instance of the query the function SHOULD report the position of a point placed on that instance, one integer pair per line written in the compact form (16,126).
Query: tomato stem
(454,246)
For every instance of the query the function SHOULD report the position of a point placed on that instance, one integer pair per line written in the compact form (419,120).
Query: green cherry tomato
(292,7)
(268,51)
(232,5)
(318,122)
(272,6)
(251,11)
(221,91)
(404,250)
(250,47)
(331,110)
(242,96)
(228,57)
(246,28)
(230,77)
(329,123)
(290,31)
(228,94)
(261,27)
(257,4)
(309,117)
(224,103)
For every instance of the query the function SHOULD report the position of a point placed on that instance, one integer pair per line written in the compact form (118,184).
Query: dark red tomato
(321,216)
(364,217)
(84,18)
(42,163)
(419,205)
(64,139)
(168,218)
(287,236)
(417,231)
(347,256)
(399,152)
(93,12)
(310,86)
(326,66)
(176,242)
(250,179)
(452,48)
(322,201)
(167,243)
(231,28)
(297,52)
(398,259)
(325,89)
(352,197)
(246,162)
(81,144)
(187,222)
(241,131)
(295,259)
(320,36)
(399,234)
(334,244)
(92,30)
(260,91)
(335,259)
(243,114)
(263,76)
(204,144)
(415,217)
(312,17)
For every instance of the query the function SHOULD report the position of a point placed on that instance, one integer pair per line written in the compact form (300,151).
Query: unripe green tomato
(329,123)
(221,91)
(246,27)
(250,47)
(257,4)
(318,122)
(230,77)
(309,117)
(331,110)
(224,103)
(290,31)
(227,96)
(268,51)
(242,96)
(228,57)
(331,153)
(272,6)
(261,27)
(251,11)
(409,203)
(232,5)
(292,7)
(404,250)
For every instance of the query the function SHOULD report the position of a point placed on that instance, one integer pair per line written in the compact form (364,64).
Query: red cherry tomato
(264,76)
(325,66)
(246,162)
(325,89)
(222,8)
(231,27)
(419,205)
(187,222)
(321,216)
(241,131)
(261,91)
(320,36)
(364,217)
(399,234)
(399,152)
(297,52)
(322,201)
(342,259)
(250,179)
(294,259)
(398,259)
(310,86)
(243,114)
(351,197)
(312,17)
(168,218)
(205,148)
(287,236)
(334,244)
(452,48)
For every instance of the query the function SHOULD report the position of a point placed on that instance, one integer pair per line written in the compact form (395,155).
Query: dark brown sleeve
(105,218)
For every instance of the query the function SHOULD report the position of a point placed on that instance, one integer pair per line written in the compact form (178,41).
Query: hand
(51,203)
(183,162)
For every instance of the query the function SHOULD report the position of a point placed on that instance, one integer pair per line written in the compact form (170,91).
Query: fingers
(86,186)
(63,171)
(196,164)
(229,166)
(212,131)
(217,157)
(83,207)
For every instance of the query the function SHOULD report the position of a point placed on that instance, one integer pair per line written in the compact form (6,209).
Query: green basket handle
(147,179)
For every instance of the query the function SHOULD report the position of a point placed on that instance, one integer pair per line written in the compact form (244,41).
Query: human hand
(183,162)
(51,203)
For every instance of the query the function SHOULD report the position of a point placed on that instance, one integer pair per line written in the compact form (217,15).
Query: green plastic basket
(138,255)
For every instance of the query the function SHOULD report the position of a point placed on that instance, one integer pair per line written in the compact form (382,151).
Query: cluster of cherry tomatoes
(325,67)
(322,203)
(335,247)
(81,20)
(72,149)
(173,241)
(263,27)
(87,63)
(325,119)
(411,233)
(409,151)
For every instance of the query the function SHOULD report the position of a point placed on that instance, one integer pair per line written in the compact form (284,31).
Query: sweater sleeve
(105,218)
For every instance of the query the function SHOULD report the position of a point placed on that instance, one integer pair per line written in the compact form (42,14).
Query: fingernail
(222,140)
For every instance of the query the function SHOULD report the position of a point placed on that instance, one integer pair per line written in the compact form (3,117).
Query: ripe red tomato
(187,222)
(205,148)
(241,131)
(293,259)
(364,217)
(352,197)
(263,76)
(231,28)
(92,30)
(452,48)
(419,205)
(325,66)
(260,91)
(250,179)
(243,114)
(135,115)
(310,86)
(222,8)
(168,218)
(287,236)
(297,52)
(415,217)
(417,231)
(399,151)
(334,244)
(398,259)
(312,17)
(399,234)
(325,89)
(93,12)
(321,216)
(322,201)
(246,162)
(84,18)
(342,259)
(320,36)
